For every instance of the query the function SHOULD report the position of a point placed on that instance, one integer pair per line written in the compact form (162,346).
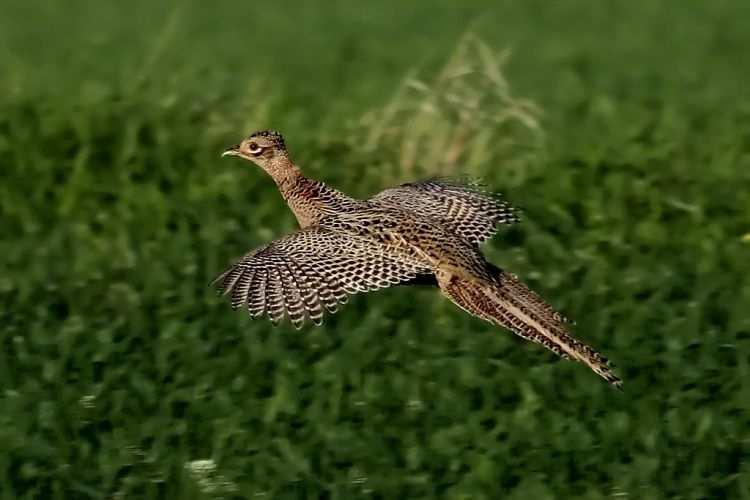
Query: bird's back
(405,232)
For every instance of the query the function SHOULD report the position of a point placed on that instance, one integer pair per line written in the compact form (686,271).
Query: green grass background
(119,365)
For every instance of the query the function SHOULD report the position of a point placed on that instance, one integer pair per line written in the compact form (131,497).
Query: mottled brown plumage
(418,232)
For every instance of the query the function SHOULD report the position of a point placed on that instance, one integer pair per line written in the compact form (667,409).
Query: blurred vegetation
(621,128)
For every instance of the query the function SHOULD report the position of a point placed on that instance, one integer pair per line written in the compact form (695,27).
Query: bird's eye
(254,148)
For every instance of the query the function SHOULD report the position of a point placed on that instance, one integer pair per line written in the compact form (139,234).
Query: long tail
(512,305)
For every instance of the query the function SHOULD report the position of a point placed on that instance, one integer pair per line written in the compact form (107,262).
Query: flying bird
(420,232)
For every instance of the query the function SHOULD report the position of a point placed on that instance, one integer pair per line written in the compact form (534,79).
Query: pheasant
(419,232)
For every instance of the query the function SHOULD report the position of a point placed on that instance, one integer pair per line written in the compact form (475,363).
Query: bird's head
(265,148)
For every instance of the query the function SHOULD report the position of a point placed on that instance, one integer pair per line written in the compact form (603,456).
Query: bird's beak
(233,151)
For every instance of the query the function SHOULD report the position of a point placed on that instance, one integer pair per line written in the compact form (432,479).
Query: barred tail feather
(512,305)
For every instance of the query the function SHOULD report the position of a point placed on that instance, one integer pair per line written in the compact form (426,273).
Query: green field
(622,129)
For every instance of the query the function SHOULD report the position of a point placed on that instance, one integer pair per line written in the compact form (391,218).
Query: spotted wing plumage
(315,269)
(465,209)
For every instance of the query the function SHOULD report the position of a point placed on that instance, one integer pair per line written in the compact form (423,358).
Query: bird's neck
(283,172)
(310,200)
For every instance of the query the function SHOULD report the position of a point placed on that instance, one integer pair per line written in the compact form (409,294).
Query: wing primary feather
(256,304)
(241,288)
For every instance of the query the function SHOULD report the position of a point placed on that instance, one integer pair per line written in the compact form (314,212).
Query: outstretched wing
(303,273)
(465,209)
